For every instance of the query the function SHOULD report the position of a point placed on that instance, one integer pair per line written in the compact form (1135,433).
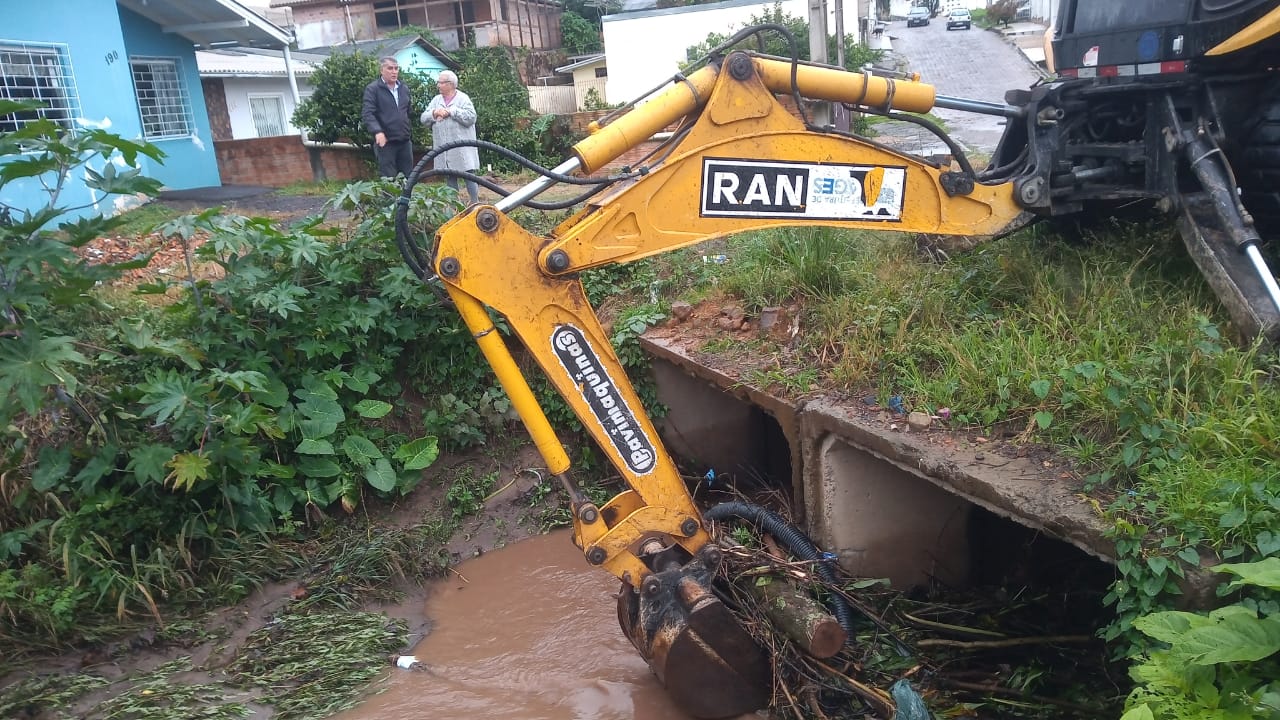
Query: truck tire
(1258,164)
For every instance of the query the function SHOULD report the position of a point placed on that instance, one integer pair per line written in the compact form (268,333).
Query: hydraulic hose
(794,540)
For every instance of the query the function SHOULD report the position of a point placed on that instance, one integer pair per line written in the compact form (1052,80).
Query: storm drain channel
(916,507)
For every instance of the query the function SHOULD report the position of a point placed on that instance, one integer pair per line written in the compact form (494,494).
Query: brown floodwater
(528,632)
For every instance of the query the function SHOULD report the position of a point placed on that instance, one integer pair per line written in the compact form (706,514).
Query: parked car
(959,19)
(919,15)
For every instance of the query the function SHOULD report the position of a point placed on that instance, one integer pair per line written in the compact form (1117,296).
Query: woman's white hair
(447,76)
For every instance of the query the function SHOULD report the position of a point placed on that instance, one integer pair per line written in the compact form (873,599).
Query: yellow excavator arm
(739,160)
(744,163)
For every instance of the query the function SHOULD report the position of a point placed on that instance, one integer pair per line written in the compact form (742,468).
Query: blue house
(412,52)
(128,66)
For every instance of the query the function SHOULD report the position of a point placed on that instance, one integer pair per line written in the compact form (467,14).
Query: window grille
(41,73)
(163,101)
(268,114)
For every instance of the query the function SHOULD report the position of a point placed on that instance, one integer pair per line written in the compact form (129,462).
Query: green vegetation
(309,188)
(1223,664)
(157,454)
(579,34)
(332,113)
(144,219)
(1112,352)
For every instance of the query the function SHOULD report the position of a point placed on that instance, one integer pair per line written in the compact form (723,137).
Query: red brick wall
(215,98)
(279,161)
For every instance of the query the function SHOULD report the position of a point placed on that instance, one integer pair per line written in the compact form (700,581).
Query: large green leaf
(29,363)
(324,416)
(1169,626)
(52,465)
(381,475)
(310,446)
(360,449)
(314,467)
(147,463)
(1264,573)
(419,453)
(1237,637)
(169,395)
(98,467)
(372,408)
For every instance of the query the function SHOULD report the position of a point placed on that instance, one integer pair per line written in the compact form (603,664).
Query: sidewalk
(1029,38)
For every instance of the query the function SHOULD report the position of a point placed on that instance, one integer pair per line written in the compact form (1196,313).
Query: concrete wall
(636,66)
(238,91)
(914,507)
(283,160)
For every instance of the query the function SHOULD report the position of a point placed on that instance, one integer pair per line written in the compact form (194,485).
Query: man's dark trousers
(394,157)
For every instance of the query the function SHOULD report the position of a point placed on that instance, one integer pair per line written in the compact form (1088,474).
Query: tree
(332,113)
(1003,11)
(502,103)
(579,34)
(414,31)
(933,5)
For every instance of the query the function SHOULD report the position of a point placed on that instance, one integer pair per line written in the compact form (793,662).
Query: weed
(326,188)
(55,693)
(155,696)
(144,219)
(311,666)
(467,492)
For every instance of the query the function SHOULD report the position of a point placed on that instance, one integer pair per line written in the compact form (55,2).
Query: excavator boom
(741,161)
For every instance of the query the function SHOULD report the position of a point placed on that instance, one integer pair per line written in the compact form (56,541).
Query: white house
(646,47)
(248,93)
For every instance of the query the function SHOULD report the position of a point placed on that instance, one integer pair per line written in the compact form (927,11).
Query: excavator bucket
(709,664)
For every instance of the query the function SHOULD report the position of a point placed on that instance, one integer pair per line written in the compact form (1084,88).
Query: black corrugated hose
(793,540)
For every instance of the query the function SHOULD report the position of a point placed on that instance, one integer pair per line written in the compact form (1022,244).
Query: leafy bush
(502,103)
(579,34)
(332,113)
(139,440)
(1224,664)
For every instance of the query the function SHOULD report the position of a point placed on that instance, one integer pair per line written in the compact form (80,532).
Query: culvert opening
(1000,614)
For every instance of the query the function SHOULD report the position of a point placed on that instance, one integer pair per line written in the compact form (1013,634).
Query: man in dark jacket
(386,114)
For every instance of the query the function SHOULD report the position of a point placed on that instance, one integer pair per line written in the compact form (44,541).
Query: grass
(1114,352)
(328,188)
(312,660)
(143,220)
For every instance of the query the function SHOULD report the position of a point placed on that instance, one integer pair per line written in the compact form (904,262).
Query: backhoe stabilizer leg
(709,664)
(1224,244)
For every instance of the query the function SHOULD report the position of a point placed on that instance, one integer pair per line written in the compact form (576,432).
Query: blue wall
(190,162)
(420,61)
(99,38)
(105,85)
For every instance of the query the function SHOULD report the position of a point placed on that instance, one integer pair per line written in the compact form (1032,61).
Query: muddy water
(529,632)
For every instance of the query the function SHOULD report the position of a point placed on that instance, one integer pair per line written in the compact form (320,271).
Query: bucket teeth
(709,664)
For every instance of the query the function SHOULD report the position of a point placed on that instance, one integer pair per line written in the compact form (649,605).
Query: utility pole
(818,53)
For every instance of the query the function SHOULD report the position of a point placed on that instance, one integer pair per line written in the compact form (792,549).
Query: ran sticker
(583,366)
(756,188)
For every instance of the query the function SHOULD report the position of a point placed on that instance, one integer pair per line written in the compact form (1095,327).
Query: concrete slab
(889,502)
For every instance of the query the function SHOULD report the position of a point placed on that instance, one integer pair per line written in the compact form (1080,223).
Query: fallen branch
(1009,642)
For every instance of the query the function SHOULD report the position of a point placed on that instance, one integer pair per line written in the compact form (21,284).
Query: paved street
(974,64)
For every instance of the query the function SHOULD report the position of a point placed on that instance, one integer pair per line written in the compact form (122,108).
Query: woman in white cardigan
(452,117)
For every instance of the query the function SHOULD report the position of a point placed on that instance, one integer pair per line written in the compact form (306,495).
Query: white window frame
(58,91)
(167,114)
(284,120)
